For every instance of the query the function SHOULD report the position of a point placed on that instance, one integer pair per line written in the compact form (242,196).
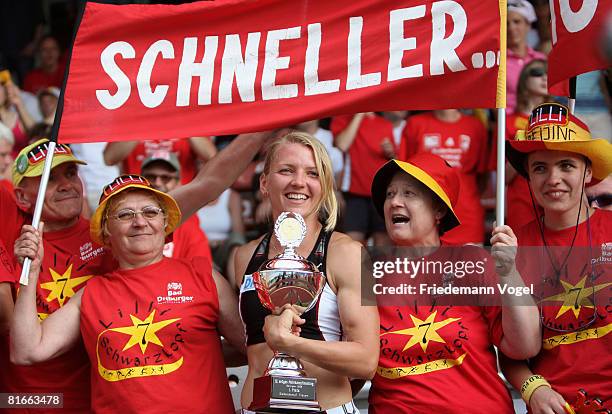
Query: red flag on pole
(210,68)
(577,28)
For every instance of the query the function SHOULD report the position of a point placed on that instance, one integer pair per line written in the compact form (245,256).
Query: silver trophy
(287,279)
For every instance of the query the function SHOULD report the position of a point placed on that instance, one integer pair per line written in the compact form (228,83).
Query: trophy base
(282,394)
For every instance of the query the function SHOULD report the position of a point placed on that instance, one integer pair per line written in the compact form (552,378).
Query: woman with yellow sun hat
(151,327)
(430,346)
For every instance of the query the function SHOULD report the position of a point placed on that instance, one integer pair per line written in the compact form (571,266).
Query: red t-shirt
(7,275)
(37,79)
(366,153)
(70,260)
(576,358)
(7,266)
(419,368)
(180,147)
(463,145)
(188,241)
(151,336)
(7,185)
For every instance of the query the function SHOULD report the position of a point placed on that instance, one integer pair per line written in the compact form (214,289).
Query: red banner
(577,31)
(222,67)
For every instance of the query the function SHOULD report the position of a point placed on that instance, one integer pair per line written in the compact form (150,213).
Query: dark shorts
(360,215)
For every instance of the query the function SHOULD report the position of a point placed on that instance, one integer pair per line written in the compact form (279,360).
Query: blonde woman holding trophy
(337,338)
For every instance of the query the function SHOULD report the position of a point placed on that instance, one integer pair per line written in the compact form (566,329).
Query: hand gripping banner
(210,68)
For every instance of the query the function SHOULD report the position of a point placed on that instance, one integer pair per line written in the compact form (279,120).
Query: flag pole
(40,200)
(44,179)
(572,94)
(500,190)
(500,185)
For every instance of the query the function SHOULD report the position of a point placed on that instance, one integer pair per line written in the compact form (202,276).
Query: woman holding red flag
(150,327)
(429,349)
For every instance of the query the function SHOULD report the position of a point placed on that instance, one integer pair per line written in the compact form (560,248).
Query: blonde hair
(328,205)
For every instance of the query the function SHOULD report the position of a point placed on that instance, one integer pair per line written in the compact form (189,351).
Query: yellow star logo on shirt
(143,332)
(63,285)
(423,331)
(575,296)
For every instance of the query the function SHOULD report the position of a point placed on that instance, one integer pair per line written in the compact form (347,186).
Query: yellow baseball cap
(31,160)
(126,182)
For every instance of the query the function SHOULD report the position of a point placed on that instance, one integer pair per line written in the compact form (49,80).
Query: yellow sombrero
(126,182)
(31,160)
(551,127)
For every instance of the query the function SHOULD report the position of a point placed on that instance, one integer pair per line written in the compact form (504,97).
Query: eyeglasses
(536,72)
(164,178)
(127,214)
(601,200)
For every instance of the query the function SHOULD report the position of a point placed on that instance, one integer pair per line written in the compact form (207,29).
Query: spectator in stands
(6,149)
(398,119)
(521,15)
(543,29)
(47,102)
(50,71)
(70,251)
(428,349)
(164,173)
(532,91)
(130,154)
(571,264)
(461,140)
(153,302)
(14,115)
(367,142)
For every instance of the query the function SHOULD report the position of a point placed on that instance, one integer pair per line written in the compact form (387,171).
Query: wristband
(530,385)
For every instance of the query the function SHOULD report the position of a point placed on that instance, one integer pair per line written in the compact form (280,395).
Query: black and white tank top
(322,321)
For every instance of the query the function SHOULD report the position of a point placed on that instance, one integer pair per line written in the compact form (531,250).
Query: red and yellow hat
(551,127)
(126,182)
(31,160)
(432,171)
